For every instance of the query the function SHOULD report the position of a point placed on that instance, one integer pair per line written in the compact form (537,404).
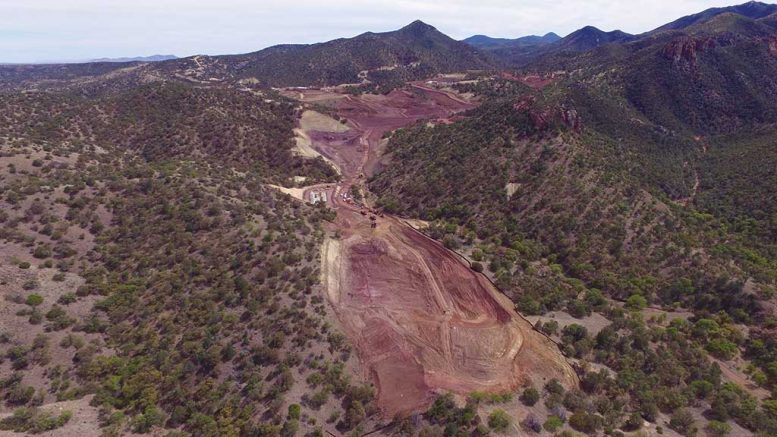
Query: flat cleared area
(421,320)
(312,120)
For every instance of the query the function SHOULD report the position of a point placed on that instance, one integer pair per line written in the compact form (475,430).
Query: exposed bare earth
(312,121)
(420,319)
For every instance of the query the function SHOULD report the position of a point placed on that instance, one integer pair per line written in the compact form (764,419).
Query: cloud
(35,30)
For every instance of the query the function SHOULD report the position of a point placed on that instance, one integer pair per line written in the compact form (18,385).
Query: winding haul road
(420,319)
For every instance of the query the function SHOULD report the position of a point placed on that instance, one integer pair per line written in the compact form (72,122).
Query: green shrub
(34,300)
(290,428)
(682,421)
(34,421)
(294,411)
(553,423)
(554,387)
(636,302)
(548,328)
(355,414)
(67,299)
(499,420)
(585,422)
(633,423)
(718,429)
(723,349)
(42,252)
(20,395)
(530,396)
(36,317)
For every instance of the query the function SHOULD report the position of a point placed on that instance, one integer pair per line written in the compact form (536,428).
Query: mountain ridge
(151,58)
(485,41)
(590,37)
(381,61)
(412,51)
(520,52)
(750,9)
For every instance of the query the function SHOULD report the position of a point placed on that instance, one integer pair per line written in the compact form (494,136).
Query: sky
(60,30)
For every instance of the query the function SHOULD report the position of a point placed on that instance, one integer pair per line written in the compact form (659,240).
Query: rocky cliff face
(684,51)
(544,117)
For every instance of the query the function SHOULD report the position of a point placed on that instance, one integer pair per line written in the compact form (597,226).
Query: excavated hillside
(421,319)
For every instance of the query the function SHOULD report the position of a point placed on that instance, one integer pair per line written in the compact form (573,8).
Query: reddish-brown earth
(421,320)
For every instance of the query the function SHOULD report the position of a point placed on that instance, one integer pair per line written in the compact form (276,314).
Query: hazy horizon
(36,31)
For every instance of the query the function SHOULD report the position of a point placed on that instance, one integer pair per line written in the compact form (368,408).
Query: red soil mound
(422,321)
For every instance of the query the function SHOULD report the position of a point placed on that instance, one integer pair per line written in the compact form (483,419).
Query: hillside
(556,147)
(12,76)
(669,81)
(567,235)
(750,9)
(632,181)
(589,38)
(659,115)
(522,52)
(486,42)
(536,193)
(415,51)
(145,262)
(170,121)
(152,58)
(379,61)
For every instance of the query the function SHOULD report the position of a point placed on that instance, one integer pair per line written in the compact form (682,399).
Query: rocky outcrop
(571,118)
(773,46)
(685,50)
(546,117)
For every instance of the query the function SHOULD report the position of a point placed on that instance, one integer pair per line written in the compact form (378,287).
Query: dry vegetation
(151,281)
(145,263)
(595,226)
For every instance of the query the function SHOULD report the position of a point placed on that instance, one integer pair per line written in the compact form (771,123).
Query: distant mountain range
(521,51)
(415,51)
(152,58)
(387,59)
(486,42)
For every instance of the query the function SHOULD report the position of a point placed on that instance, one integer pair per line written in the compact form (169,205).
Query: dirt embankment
(424,322)
(420,319)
